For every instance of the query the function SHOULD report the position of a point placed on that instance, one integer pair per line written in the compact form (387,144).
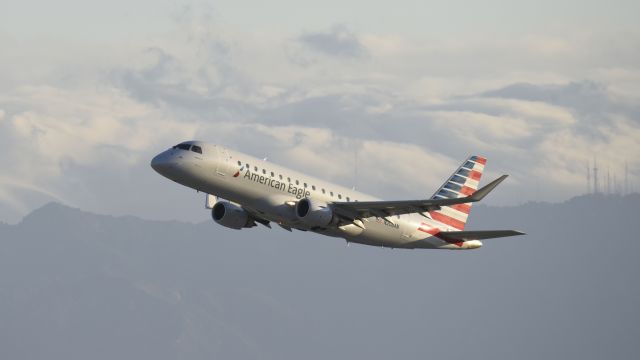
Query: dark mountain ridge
(79,285)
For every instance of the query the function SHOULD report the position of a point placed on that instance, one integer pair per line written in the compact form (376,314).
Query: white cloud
(480,129)
(413,107)
(50,130)
(73,124)
(404,169)
(564,154)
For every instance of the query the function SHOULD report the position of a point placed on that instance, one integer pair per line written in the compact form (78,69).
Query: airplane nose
(160,164)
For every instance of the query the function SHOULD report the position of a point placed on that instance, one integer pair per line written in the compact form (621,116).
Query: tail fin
(463,182)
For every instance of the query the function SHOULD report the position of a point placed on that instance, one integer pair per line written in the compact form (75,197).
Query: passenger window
(339,196)
(297,182)
(331,193)
(324,192)
(255,168)
(264,171)
(280,175)
(197,149)
(313,187)
(288,179)
(247,166)
(305,184)
(239,163)
(272,174)
(348,199)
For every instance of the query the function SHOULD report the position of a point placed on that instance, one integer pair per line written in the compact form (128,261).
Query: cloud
(584,96)
(338,42)
(53,139)
(413,111)
(404,152)
(566,153)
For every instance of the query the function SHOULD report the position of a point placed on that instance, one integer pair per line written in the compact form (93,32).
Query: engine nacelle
(314,213)
(230,215)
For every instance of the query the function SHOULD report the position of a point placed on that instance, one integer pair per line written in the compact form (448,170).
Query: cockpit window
(196,148)
(182,146)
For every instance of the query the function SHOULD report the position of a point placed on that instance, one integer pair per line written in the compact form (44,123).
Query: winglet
(482,192)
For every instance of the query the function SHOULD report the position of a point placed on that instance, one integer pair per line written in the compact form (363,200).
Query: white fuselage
(270,192)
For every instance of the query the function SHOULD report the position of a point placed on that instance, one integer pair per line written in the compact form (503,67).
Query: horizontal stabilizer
(478,234)
(481,193)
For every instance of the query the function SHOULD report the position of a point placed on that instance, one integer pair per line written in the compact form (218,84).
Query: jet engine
(231,215)
(314,213)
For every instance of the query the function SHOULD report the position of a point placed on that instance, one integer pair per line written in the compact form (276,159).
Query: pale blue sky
(87,19)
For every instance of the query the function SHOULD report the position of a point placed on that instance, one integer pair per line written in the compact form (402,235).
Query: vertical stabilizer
(463,182)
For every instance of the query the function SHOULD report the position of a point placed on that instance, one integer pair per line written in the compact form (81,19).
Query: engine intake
(230,215)
(314,213)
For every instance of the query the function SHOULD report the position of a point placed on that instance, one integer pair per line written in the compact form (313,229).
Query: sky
(90,91)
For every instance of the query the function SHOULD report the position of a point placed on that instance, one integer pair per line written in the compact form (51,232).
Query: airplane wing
(477,234)
(365,209)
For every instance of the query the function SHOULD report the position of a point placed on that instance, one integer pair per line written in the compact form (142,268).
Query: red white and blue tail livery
(462,183)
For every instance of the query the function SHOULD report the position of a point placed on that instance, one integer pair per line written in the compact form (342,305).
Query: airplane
(243,191)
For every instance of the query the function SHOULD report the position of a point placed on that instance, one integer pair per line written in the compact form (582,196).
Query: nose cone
(161,164)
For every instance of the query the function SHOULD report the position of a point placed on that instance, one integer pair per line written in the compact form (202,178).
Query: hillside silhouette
(76,285)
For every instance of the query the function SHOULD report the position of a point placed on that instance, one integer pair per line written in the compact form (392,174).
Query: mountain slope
(78,285)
